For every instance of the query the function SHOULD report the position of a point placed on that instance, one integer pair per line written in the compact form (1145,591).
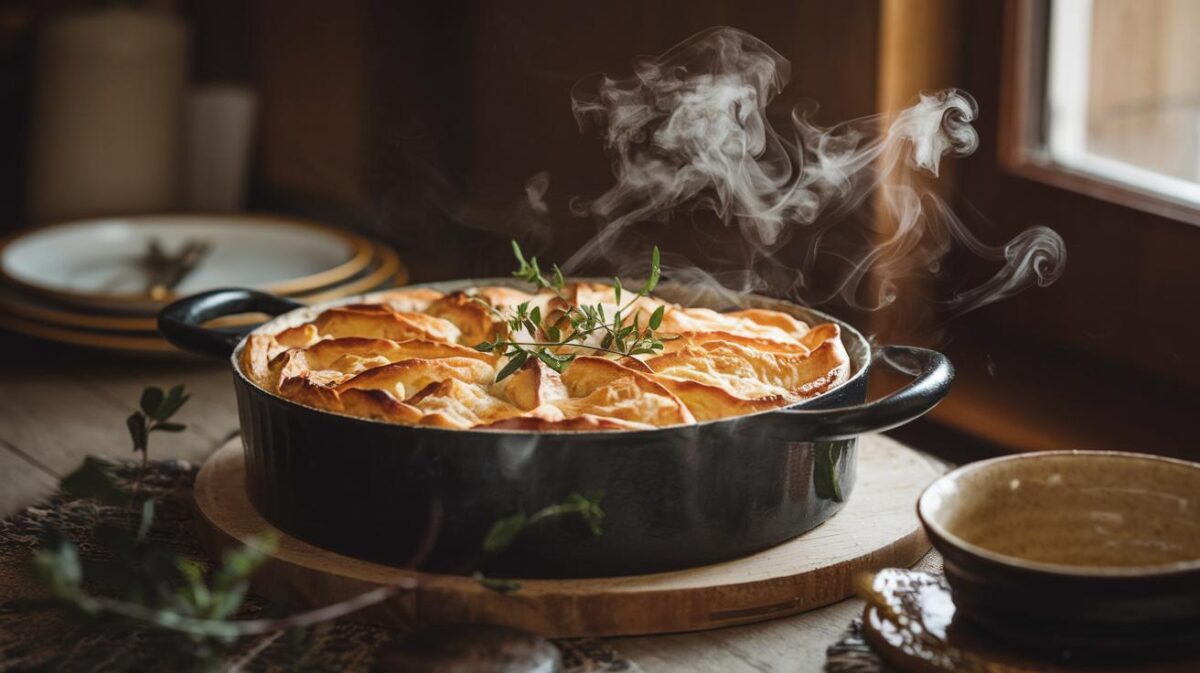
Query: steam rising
(689,131)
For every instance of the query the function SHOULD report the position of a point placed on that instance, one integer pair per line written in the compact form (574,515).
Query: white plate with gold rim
(385,271)
(124,334)
(131,343)
(98,263)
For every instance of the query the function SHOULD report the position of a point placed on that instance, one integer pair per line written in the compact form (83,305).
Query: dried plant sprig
(174,596)
(148,585)
(619,339)
(186,602)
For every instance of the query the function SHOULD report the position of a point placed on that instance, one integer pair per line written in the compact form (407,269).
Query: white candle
(107,115)
(218,134)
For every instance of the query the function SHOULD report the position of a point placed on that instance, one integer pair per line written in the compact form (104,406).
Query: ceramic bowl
(1086,550)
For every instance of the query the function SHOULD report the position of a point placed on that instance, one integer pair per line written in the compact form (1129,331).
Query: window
(1122,96)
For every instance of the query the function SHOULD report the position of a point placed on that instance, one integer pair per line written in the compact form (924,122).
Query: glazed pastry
(410,358)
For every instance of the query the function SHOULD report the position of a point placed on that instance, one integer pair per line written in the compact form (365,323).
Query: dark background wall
(420,122)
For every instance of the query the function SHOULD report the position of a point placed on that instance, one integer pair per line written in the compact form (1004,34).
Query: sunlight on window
(1123,92)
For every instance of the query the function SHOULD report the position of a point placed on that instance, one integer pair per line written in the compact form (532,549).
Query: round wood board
(878,528)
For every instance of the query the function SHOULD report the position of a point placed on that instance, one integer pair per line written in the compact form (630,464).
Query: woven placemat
(50,640)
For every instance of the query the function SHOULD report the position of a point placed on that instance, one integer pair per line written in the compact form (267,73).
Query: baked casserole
(414,357)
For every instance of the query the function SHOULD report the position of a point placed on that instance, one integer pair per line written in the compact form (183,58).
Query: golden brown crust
(607,388)
(378,320)
(379,405)
(454,404)
(776,319)
(410,300)
(256,358)
(301,389)
(755,343)
(749,374)
(473,319)
(581,423)
(504,297)
(329,351)
(407,377)
(679,320)
(410,359)
(299,337)
(710,402)
(532,386)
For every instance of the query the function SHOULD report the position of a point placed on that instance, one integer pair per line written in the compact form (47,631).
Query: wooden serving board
(878,528)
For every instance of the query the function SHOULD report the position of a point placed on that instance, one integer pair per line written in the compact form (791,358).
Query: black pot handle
(181,322)
(933,374)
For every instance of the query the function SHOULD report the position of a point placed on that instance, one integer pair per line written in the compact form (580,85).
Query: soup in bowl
(1088,549)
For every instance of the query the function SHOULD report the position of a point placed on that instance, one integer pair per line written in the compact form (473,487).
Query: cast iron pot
(673,497)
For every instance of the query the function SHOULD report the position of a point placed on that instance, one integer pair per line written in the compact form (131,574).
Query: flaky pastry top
(409,358)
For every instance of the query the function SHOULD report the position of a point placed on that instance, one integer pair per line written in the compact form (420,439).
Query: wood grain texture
(24,480)
(793,644)
(918,51)
(59,404)
(878,528)
(41,418)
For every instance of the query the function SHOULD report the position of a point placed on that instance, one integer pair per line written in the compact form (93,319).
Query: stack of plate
(89,283)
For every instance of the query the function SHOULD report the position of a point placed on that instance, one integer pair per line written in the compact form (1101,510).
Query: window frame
(1022,124)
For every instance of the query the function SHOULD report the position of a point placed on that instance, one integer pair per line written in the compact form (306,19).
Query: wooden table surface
(58,405)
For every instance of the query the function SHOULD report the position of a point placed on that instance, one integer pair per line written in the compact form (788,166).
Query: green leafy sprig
(194,610)
(505,530)
(154,415)
(156,410)
(173,594)
(146,584)
(584,320)
(160,588)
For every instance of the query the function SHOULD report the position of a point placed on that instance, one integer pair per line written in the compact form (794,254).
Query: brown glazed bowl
(1083,551)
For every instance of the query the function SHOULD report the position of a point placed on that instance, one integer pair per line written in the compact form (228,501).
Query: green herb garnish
(504,531)
(156,410)
(618,339)
(500,586)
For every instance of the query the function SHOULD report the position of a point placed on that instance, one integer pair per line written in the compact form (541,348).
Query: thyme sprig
(572,324)
(505,530)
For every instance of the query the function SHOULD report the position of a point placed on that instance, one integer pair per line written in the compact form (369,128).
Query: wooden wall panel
(311,68)
(919,49)
(529,54)
(1123,297)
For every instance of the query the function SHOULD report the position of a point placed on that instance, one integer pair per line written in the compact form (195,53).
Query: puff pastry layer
(409,358)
